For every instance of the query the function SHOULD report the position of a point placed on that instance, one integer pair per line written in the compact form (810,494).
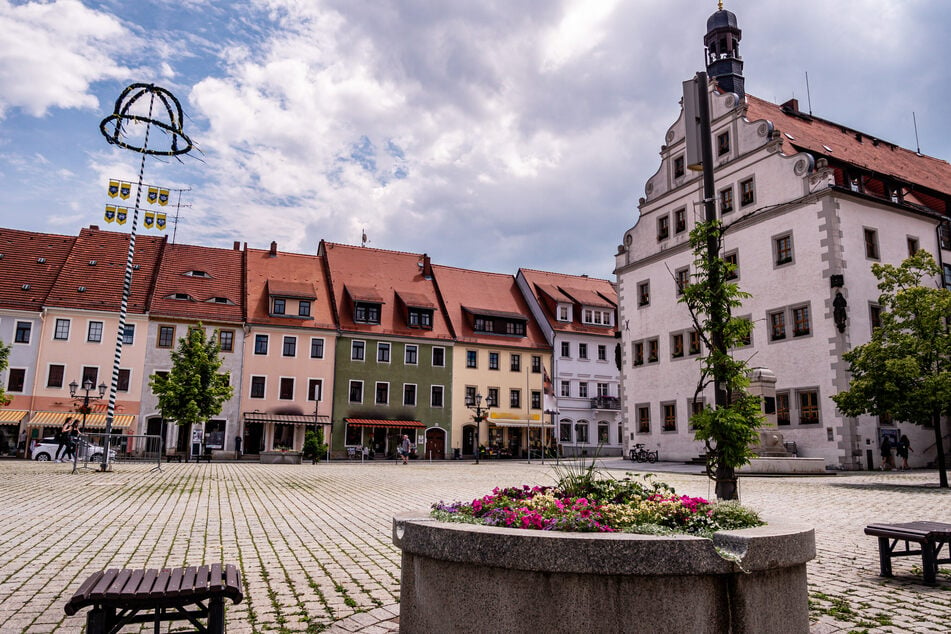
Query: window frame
(261,343)
(278,306)
(801,409)
(381,388)
(61,329)
(358,350)
(355,387)
(289,346)
(411,354)
(747,192)
(494,360)
(679,166)
(257,380)
(723,144)
(282,384)
(668,410)
(515,362)
(472,359)
(49,375)
(303,308)
(407,388)
(663,227)
(164,329)
(229,335)
(317,345)
(680,220)
(727,202)
(870,239)
(433,391)
(442,356)
(21,334)
(643,293)
(383,352)
(20,375)
(783,255)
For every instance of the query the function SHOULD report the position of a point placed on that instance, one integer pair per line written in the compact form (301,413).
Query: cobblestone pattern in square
(313,542)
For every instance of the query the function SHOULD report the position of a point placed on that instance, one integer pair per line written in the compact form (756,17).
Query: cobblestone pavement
(314,545)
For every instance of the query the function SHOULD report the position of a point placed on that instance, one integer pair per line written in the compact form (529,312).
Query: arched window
(581,431)
(564,434)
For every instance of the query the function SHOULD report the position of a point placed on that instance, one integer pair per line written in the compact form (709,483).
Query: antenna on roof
(364,239)
(915,121)
(808,94)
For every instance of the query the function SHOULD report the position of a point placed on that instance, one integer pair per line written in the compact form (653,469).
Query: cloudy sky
(491,134)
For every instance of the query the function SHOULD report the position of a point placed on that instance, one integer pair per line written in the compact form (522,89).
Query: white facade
(795,210)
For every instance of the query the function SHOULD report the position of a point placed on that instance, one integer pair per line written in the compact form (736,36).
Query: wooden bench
(931,538)
(124,597)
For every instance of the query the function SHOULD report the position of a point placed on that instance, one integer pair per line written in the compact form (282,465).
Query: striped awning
(97,419)
(9,416)
(376,422)
(287,419)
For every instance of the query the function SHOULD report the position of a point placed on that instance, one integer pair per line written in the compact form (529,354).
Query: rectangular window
(582,351)
(279,306)
(54,377)
(777,325)
(122,385)
(290,346)
(286,392)
(565,349)
(226,340)
(682,278)
(515,398)
(365,313)
(536,399)
(315,390)
(875,316)
(679,166)
(471,359)
(565,432)
(382,352)
(436,393)
(493,360)
(680,221)
(382,393)
(566,388)
(16,380)
(912,246)
(411,355)
(257,386)
(536,364)
(316,348)
(808,407)
(515,362)
(747,193)
(677,345)
(602,352)
(470,395)
(663,227)
(581,432)
(409,394)
(90,374)
(357,350)
(871,244)
(303,308)
(782,408)
(644,294)
(62,329)
(694,342)
(638,353)
(652,351)
(563,313)
(643,419)
(260,344)
(439,357)
(582,389)
(356,391)
(732,260)
(603,389)
(23,332)
(783,249)
(670,416)
(723,144)
(726,200)
(801,322)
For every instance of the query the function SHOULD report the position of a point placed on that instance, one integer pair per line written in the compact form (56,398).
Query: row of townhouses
(367,343)
(809,206)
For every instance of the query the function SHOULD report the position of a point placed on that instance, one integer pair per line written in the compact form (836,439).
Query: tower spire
(722,42)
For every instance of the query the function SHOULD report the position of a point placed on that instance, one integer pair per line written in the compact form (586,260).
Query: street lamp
(481,413)
(87,388)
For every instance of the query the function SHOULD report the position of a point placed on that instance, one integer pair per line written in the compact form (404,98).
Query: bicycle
(639,453)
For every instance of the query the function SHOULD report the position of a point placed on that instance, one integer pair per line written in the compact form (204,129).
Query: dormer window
(597,317)
(366,313)
(196,273)
(41,260)
(220,300)
(181,296)
(482,324)
(278,306)
(303,308)
(420,318)
(564,312)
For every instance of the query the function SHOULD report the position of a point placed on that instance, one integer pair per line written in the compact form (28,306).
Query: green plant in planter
(314,445)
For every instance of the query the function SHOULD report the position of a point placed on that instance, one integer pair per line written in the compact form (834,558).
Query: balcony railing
(606,402)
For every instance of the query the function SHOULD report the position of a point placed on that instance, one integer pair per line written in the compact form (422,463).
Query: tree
(904,372)
(193,391)
(314,445)
(4,363)
(729,426)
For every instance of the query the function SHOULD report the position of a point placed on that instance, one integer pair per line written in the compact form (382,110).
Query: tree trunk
(726,488)
(939,446)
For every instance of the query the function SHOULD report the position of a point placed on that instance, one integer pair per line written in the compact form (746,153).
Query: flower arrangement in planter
(585,501)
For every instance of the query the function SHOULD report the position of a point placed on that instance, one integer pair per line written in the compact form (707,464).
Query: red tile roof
(97,264)
(814,135)
(18,266)
(288,275)
(576,289)
(225,270)
(464,291)
(375,273)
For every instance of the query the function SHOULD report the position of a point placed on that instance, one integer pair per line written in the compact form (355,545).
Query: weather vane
(115,129)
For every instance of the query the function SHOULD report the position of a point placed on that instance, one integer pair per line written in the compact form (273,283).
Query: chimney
(427,267)
(791,106)
(237,245)
(94,227)
(273,252)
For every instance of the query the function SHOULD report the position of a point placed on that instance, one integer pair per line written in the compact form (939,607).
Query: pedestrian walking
(237,447)
(62,439)
(888,462)
(404,449)
(72,442)
(904,446)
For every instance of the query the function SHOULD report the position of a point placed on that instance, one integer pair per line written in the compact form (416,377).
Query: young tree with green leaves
(904,372)
(729,426)
(4,364)
(194,390)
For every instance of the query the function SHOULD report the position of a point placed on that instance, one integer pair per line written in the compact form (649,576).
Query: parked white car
(45,450)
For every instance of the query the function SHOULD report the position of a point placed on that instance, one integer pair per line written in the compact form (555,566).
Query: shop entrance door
(435,444)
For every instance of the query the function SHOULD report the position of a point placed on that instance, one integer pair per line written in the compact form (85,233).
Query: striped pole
(126,291)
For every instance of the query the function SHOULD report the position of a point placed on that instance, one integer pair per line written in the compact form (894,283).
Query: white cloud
(50,53)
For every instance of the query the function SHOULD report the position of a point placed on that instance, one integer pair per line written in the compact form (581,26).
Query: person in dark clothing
(904,446)
(888,462)
(237,447)
(62,440)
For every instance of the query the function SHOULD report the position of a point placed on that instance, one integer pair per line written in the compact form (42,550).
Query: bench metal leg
(100,620)
(929,562)
(885,556)
(216,615)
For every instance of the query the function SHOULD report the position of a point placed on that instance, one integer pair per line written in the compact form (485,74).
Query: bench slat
(114,590)
(76,602)
(99,590)
(202,579)
(216,578)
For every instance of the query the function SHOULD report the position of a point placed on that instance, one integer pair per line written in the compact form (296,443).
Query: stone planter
(280,457)
(468,578)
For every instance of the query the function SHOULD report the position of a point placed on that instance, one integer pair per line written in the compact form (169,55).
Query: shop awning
(92,420)
(286,419)
(10,416)
(374,422)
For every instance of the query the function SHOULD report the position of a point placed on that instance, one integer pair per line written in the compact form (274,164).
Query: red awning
(374,422)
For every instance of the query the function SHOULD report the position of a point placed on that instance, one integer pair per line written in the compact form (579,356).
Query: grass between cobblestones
(314,542)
